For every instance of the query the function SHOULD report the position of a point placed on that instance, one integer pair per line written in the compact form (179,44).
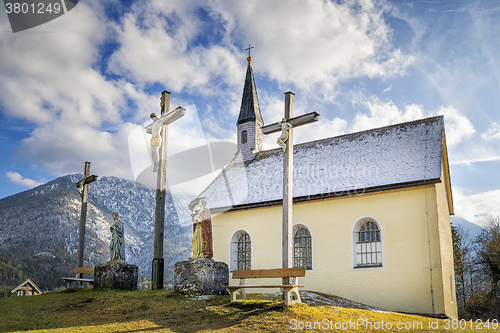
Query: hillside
(86,310)
(39,237)
(468,229)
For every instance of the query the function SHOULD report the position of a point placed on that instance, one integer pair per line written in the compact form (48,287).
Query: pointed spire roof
(250,110)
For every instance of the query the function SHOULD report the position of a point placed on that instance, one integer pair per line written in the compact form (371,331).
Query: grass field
(86,310)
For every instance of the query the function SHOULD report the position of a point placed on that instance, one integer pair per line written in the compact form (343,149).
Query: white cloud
(374,112)
(492,133)
(156,46)
(303,43)
(475,151)
(18,179)
(458,126)
(388,89)
(50,77)
(63,147)
(315,43)
(476,207)
(49,70)
(383,113)
(55,79)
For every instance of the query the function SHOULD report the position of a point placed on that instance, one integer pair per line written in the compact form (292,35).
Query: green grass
(86,310)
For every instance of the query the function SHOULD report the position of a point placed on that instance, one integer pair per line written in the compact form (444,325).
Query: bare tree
(488,261)
(461,256)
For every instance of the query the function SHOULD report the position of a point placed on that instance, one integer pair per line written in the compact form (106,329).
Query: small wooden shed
(27,288)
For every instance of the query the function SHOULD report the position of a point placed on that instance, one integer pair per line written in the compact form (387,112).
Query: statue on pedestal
(202,231)
(201,274)
(117,245)
(116,273)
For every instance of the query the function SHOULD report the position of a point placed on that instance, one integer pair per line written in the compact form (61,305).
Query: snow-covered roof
(396,156)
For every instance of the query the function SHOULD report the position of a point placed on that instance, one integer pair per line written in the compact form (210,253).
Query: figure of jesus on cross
(159,131)
(156,127)
(285,141)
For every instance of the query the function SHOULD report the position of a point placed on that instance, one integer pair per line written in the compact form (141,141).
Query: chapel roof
(23,284)
(396,156)
(249,110)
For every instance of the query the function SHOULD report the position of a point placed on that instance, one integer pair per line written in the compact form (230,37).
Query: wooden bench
(290,291)
(78,279)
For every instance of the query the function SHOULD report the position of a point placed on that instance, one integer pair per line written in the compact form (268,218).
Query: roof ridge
(406,123)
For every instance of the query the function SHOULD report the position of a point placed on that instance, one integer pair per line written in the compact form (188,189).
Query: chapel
(371,212)
(26,288)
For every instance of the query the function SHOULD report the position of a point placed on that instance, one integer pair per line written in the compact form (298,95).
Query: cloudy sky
(80,87)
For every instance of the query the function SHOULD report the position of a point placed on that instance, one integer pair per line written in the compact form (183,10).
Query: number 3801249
(32,8)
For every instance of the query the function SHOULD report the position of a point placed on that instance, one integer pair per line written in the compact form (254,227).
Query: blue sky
(79,87)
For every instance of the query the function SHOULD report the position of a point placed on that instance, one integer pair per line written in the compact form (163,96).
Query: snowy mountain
(45,220)
(468,229)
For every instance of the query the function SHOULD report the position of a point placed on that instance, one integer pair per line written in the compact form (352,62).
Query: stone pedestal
(201,276)
(115,275)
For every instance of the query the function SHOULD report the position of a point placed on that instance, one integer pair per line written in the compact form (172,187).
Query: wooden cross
(83,188)
(26,290)
(161,184)
(290,122)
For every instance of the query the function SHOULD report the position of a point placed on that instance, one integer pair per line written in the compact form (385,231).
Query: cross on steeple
(249,48)
(249,59)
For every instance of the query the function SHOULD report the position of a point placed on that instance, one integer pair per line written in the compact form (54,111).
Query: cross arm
(87,180)
(173,115)
(296,121)
(168,118)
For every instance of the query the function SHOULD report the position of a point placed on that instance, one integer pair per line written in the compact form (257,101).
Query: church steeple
(249,120)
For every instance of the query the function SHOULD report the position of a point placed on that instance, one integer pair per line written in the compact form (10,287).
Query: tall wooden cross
(286,126)
(83,188)
(161,181)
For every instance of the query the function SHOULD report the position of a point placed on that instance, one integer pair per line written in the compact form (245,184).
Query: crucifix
(159,131)
(286,142)
(83,188)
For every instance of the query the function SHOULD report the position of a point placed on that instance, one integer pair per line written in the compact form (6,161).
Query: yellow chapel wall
(408,220)
(446,247)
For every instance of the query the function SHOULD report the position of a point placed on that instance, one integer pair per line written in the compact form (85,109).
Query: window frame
(244,137)
(376,248)
(233,249)
(244,252)
(296,227)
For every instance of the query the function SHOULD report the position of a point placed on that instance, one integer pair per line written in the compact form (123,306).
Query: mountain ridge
(46,220)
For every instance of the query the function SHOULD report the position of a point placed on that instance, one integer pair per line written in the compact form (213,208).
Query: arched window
(244,136)
(302,247)
(240,251)
(368,247)
(244,252)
